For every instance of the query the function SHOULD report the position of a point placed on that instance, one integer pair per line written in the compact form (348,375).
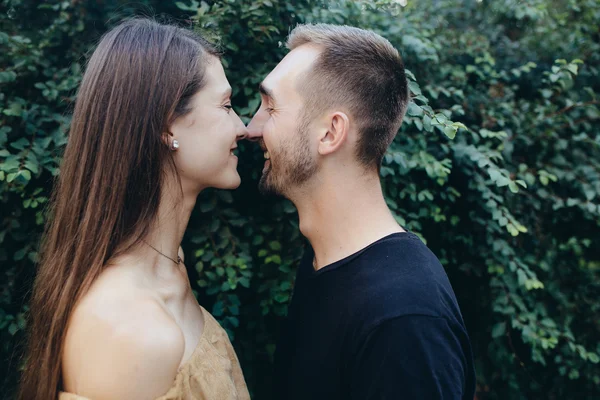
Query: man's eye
(269,110)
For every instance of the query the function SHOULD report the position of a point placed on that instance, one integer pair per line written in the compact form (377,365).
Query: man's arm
(411,357)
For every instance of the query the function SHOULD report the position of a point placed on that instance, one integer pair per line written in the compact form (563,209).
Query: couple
(373,315)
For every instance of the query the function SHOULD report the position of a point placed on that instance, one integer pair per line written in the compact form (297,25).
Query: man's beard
(294,166)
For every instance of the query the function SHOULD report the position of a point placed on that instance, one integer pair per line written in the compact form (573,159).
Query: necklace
(178,261)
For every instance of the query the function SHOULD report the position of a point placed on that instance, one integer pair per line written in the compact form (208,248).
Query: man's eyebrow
(266,91)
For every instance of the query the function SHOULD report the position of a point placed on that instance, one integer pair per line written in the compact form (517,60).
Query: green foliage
(497,167)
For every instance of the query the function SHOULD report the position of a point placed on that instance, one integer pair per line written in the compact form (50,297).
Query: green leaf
(276,259)
(7,76)
(414,110)
(502,181)
(281,297)
(414,88)
(245,282)
(459,125)
(20,144)
(14,110)
(20,254)
(512,230)
(450,131)
(25,174)
(498,330)
(288,207)
(418,124)
(427,123)
(225,196)
(207,206)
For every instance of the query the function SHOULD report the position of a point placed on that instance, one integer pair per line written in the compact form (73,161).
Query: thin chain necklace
(178,261)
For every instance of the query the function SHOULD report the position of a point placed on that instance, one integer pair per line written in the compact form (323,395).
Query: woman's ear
(169,140)
(338,126)
(166,137)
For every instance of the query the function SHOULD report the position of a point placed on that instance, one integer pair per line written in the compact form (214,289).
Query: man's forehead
(296,62)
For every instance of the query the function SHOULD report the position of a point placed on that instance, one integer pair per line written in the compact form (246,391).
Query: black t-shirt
(382,323)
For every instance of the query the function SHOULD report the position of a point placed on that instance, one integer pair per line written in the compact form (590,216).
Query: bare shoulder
(121,346)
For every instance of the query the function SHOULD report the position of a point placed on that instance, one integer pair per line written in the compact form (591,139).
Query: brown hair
(362,71)
(138,81)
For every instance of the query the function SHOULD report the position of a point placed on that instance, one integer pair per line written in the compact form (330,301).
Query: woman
(112,313)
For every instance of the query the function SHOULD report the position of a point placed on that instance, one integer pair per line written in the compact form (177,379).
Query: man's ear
(336,134)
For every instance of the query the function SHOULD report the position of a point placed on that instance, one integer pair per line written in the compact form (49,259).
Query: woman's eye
(229,107)
(269,110)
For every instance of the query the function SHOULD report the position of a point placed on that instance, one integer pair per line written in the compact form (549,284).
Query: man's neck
(342,216)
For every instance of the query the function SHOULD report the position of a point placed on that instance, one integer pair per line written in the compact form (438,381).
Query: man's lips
(267,166)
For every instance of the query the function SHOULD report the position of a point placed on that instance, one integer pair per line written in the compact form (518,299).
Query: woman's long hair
(139,79)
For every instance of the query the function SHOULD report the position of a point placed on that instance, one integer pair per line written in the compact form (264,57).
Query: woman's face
(208,135)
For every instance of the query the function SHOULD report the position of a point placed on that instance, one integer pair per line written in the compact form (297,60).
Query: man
(373,315)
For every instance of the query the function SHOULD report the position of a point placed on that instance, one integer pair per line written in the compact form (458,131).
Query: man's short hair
(360,71)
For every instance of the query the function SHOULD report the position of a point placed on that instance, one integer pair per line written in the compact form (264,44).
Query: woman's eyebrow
(227,93)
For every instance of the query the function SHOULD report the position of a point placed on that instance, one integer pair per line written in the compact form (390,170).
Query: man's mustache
(261,143)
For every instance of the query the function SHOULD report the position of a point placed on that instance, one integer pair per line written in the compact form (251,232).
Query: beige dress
(212,372)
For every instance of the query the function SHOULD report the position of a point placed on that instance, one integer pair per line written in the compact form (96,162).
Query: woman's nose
(242,131)
(242,134)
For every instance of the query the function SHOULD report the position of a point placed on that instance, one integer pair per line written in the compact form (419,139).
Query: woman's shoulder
(121,343)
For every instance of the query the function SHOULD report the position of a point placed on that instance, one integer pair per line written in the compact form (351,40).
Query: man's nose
(255,127)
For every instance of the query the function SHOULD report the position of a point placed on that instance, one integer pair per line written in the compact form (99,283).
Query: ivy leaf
(414,110)
(498,330)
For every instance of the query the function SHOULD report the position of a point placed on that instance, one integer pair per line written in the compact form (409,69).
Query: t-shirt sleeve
(410,357)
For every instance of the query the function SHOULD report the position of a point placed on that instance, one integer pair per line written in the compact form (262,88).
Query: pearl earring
(174,145)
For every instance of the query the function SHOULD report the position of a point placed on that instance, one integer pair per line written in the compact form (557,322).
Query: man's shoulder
(400,253)
(401,277)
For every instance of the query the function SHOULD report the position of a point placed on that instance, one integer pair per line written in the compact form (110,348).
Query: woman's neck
(154,257)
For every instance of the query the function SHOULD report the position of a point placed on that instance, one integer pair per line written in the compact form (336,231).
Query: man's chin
(267,187)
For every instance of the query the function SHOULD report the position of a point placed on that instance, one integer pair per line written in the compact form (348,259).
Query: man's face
(281,128)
